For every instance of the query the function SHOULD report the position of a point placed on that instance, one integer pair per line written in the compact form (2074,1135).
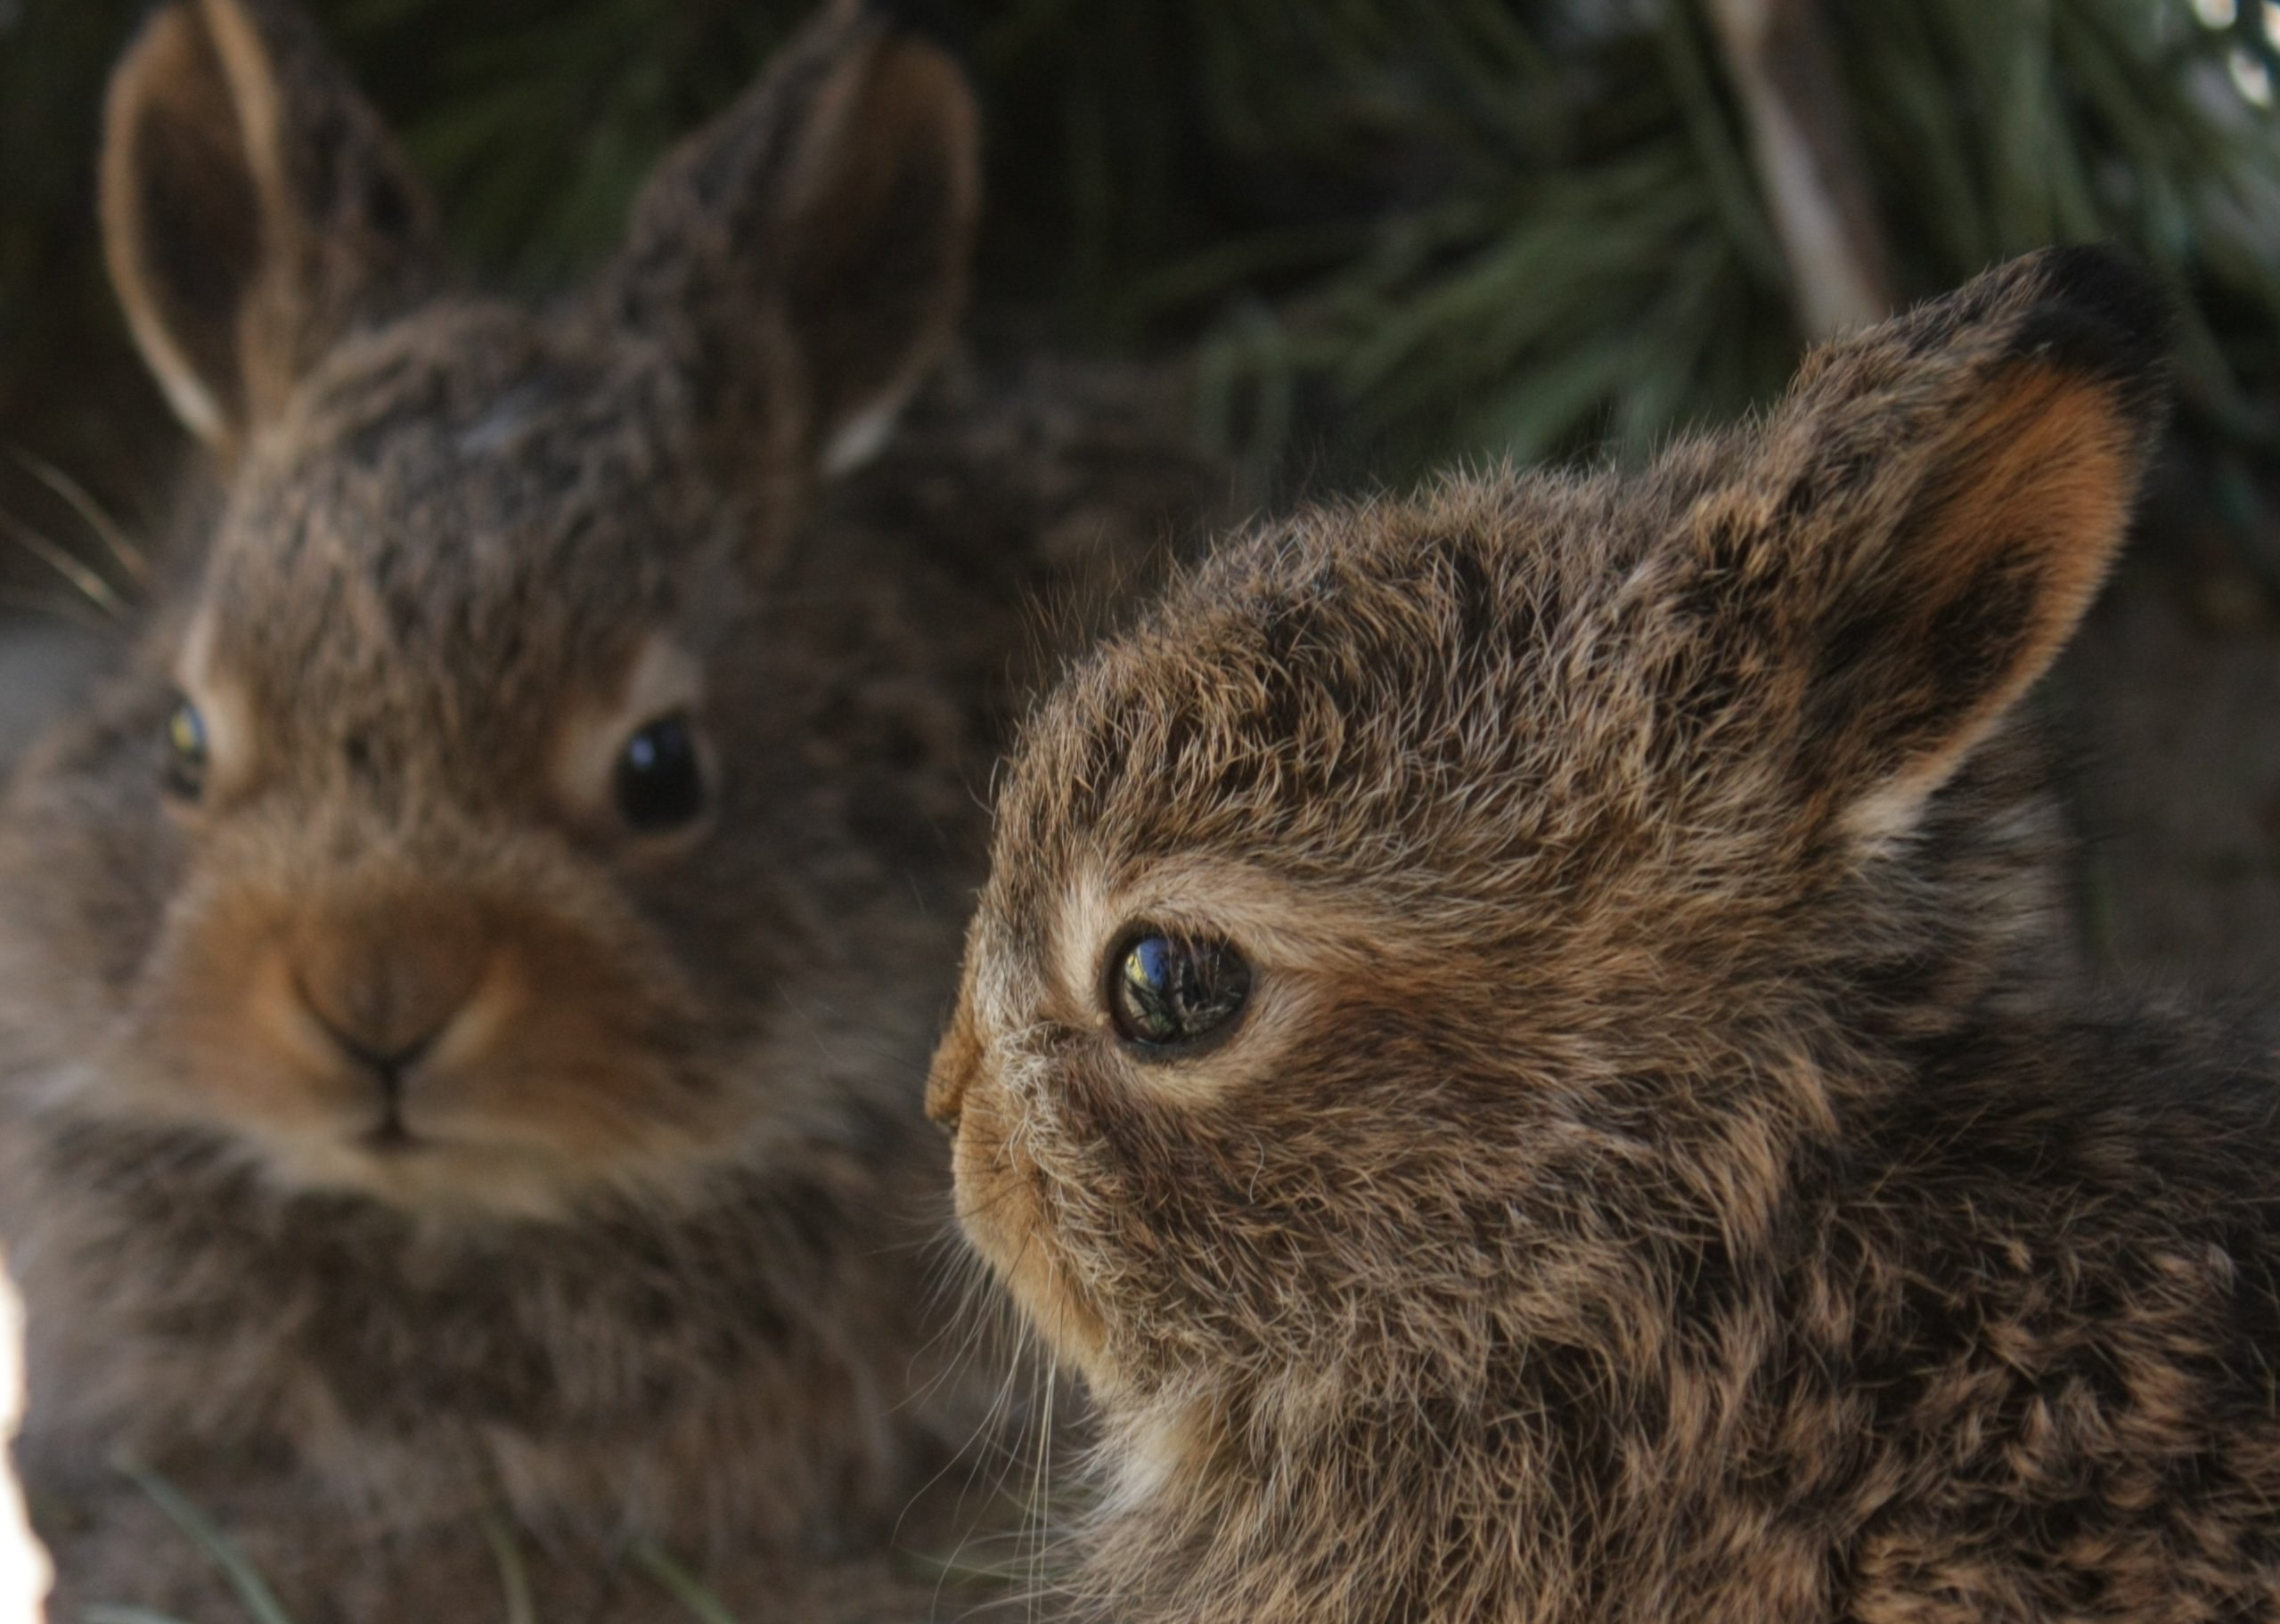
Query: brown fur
(637,1247)
(1651,1178)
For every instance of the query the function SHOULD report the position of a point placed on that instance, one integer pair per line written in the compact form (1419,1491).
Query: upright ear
(806,255)
(1932,510)
(254,208)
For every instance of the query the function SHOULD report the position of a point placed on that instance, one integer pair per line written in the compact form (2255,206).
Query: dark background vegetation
(1384,233)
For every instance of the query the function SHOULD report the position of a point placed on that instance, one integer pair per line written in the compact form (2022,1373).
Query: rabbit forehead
(1353,696)
(472,508)
(469,444)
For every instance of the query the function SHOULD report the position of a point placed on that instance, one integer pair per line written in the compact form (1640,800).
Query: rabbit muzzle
(436,1037)
(392,988)
(1001,1196)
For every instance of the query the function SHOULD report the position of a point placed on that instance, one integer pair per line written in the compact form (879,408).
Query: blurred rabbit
(465,983)
(1495,1039)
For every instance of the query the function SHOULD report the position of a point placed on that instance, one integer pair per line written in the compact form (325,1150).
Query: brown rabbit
(1493,1041)
(465,984)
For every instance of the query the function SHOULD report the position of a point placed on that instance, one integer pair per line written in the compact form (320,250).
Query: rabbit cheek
(239,1054)
(557,1059)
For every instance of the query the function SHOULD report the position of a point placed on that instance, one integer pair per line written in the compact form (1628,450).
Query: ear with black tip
(806,255)
(254,208)
(1935,507)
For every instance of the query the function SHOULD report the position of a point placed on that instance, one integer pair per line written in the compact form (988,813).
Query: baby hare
(465,985)
(1493,1040)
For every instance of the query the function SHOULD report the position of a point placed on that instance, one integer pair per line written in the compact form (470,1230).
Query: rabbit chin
(445,1179)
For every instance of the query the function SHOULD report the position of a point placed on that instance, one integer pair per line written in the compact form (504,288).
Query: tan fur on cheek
(242,1048)
(550,1055)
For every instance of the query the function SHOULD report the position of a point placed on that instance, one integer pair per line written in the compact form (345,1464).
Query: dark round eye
(1167,992)
(185,751)
(660,781)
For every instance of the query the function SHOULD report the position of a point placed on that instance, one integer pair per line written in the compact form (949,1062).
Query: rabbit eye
(1171,993)
(185,751)
(660,781)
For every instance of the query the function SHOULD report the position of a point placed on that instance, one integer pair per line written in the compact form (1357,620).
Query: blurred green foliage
(1417,227)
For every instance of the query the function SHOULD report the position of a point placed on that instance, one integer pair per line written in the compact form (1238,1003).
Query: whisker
(1040,1487)
(91,585)
(988,1322)
(71,610)
(97,518)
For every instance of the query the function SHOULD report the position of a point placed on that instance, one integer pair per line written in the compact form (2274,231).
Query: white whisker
(92,512)
(90,585)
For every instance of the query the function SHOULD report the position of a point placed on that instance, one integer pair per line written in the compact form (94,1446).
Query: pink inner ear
(2035,504)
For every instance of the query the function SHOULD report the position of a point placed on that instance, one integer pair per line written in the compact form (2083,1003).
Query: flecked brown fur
(1651,1178)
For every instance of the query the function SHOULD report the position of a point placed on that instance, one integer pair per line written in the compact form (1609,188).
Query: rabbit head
(453,837)
(1435,905)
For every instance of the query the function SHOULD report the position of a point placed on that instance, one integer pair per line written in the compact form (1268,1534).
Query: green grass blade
(514,1577)
(253,1591)
(682,1585)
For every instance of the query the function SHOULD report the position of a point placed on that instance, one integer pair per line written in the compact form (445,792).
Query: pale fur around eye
(207,742)
(1292,945)
(662,694)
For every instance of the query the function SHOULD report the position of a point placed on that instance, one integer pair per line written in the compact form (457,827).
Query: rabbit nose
(388,1066)
(955,1062)
(385,986)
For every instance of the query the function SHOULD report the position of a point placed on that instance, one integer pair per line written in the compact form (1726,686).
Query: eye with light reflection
(1171,995)
(186,751)
(660,778)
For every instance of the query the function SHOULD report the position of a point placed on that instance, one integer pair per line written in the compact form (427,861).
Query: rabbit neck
(624,1370)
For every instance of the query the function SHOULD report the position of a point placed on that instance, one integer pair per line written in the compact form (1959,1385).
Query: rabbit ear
(254,208)
(805,256)
(1935,507)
